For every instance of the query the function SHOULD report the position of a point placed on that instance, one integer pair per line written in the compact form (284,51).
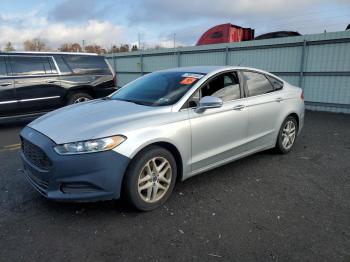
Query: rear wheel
(150,178)
(287,135)
(78,98)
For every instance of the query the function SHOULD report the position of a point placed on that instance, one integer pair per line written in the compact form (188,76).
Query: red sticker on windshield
(188,81)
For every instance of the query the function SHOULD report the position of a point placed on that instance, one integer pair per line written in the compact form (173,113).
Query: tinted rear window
(3,71)
(87,64)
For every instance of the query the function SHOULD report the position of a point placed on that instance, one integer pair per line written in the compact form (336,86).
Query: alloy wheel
(80,100)
(154,179)
(288,134)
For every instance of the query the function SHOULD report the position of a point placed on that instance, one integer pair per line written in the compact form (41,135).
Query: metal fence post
(178,59)
(226,55)
(302,62)
(115,69)
(141,63)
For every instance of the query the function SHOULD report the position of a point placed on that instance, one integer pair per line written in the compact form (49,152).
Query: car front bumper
(83,177)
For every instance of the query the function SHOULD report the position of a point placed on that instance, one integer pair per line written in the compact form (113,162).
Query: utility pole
(139,40)
(174,40)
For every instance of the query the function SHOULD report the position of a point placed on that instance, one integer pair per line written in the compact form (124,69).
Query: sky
(156,22)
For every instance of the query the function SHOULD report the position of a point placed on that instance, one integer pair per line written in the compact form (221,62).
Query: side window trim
(244,91)
(186,104)
(53,62)
(62,59)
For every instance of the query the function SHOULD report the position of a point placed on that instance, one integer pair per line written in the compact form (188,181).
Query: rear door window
(27,65)
(84,64)
(3,71)
(62,65)
(257,83)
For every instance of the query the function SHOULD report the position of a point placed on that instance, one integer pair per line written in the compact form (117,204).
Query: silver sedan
(161,128)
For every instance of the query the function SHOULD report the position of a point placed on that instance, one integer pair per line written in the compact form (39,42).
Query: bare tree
(35,44)
(9,47)
(124,48)
(95,49)
(113,49)
(134,48)
(69,47)
(121,48)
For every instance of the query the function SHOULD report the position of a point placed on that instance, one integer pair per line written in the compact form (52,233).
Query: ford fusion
(161,128)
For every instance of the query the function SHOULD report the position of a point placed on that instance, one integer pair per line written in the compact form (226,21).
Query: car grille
(41,184)
(35,155)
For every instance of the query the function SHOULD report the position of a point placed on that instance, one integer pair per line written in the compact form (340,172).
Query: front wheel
(287,135)
(150,178)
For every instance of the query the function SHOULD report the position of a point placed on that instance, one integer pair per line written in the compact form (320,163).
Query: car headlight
(90,146)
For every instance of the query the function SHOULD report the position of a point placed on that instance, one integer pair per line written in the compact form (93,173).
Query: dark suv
(35,83)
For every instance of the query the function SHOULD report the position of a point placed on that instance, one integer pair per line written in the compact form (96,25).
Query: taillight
(302,95)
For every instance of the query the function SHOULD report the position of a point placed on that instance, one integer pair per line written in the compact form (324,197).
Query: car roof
(44,53)
(209,69)
(195,69)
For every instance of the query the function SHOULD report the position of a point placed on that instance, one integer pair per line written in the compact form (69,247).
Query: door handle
(279,99)
(239,107)
(5,84)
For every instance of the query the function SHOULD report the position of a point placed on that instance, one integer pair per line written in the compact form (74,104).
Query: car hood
(93,119)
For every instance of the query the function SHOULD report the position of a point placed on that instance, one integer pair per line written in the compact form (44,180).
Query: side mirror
(208,102)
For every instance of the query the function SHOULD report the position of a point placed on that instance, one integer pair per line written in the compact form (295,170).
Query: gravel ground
(266,207)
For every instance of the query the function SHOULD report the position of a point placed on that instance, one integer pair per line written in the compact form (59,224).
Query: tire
(78,98)
(142,184)
(287,135)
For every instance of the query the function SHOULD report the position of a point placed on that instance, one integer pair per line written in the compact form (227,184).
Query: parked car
(277,34)
(163,127)
(33,83)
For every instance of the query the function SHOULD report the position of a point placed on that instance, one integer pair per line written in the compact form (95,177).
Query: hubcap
(288,135)
(154,179)
(81,99)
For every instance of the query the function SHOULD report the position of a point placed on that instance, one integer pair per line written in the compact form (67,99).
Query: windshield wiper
(136,102)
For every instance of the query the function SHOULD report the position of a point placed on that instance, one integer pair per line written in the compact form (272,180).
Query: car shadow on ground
(15,123)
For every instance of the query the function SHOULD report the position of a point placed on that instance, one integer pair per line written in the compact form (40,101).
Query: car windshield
(158,89)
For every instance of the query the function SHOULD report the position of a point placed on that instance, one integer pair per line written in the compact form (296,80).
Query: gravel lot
(266,207)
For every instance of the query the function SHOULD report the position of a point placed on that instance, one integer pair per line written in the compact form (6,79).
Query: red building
(226,33)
